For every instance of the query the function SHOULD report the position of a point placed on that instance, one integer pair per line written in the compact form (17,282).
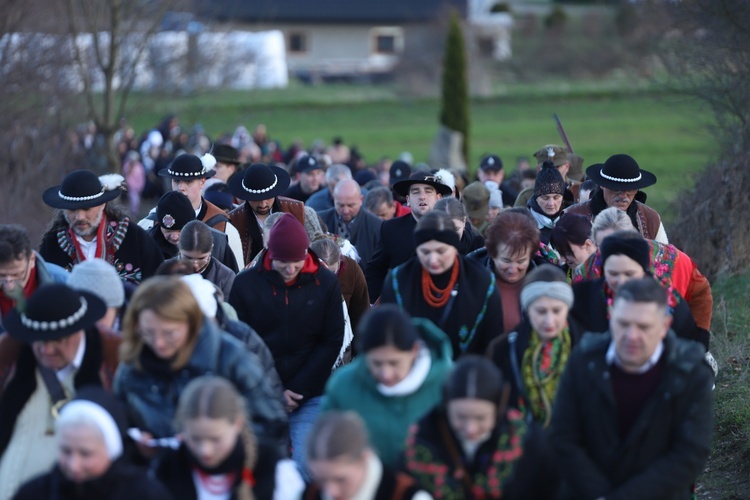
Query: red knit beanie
(288,240)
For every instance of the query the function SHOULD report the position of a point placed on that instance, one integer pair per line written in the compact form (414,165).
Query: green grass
(665,134)
(728,472)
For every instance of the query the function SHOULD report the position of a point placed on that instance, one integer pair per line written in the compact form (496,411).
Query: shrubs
(454,107)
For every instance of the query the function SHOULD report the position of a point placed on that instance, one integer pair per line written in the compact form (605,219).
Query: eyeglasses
(150,337)
(15,278)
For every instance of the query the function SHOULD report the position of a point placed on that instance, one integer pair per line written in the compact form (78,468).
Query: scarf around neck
(414,379)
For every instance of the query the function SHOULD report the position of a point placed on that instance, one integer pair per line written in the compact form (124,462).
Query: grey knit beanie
(100,278)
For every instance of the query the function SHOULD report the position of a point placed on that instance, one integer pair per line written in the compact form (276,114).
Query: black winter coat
(472,319)
(668,444)
(173,469)
(532,475)
(396,246)
(590,311)
(364,232)
(507,354)
(302,323)
(120,482)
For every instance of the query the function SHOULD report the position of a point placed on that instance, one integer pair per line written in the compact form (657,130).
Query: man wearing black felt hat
(188,174)
(62,352)
(88,225)
(421,190)
(621,179)
(261,187)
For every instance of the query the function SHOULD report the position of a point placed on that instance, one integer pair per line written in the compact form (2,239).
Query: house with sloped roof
(345,39)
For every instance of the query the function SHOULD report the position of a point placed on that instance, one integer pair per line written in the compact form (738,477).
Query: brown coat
(10,348)
(238,218)
(647,218)
(209,210)
(354,289)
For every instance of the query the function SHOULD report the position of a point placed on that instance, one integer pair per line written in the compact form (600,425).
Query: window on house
(385,44)
(297,42)
(387,41)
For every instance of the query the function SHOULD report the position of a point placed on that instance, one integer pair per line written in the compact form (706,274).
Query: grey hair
(452,206)
(336,172)
(611,218)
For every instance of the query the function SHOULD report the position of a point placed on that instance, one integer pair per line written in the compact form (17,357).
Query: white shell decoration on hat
(111,181)
(208,160)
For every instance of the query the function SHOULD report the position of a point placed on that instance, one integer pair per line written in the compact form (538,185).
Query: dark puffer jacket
(301,323)
(668,444)
(151,398)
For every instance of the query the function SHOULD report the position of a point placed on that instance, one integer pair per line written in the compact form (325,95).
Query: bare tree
(119,32)
(707,52)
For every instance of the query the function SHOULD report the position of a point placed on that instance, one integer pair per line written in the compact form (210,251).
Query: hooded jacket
(388,418)
(302,323)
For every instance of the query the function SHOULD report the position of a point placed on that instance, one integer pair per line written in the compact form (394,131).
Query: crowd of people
(296,324)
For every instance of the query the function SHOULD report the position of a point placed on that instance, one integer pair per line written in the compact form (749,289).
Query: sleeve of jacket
(359,304)
(151,256)
(376,269)
(700,299)
(691,444)
(244,370)
(582,475)
(237,297)
(329,341)
(388,294)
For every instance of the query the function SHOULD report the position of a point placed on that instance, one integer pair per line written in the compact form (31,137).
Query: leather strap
(55,389)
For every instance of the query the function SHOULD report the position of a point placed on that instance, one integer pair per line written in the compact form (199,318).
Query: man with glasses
(620,180)
(22,271)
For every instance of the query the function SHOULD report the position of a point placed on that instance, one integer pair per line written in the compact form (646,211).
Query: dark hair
(588,185)
(529,174)
(175,267)
(645,289)
(570,228)
(513,228)
(474,377)
(196,237)
(545,273)
(452,206)
(376,197)
(386,325)
(14,243)
(112,210)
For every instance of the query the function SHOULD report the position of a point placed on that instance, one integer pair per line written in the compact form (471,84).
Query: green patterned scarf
(542,367)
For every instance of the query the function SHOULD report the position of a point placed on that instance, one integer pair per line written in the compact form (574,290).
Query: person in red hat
(294,303)
(89,225)
(621,180)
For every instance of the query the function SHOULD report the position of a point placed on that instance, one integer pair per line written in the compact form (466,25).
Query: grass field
(728,472)
(664,133)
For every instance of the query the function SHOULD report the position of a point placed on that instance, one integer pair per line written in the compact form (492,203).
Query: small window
(385,44)
(297,42)
(387,41)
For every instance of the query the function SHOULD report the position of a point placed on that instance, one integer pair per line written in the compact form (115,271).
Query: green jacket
(388,418)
